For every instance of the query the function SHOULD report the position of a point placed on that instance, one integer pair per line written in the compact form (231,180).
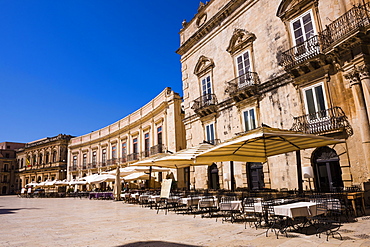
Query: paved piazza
(84,222)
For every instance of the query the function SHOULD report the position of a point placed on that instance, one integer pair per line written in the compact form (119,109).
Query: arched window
(54,156)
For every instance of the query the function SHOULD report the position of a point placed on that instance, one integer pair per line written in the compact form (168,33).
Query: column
(360,104)
(364,73)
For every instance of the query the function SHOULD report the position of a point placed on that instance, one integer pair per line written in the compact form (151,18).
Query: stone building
(9,180)
(289,64)
(154,129)
(44,159)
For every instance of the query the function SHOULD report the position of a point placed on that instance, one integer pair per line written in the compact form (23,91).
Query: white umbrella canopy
(263,142)
(133,169)
(33,183)
(77,182)
(50,183)
(184,158)
(62,182)
(136,176)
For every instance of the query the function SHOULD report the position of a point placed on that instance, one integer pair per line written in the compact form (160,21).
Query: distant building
(44,159)
(300,65)
(9,180)
(154,129)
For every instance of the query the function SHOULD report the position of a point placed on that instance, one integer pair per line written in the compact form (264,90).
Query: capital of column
(364,71)
(353,76)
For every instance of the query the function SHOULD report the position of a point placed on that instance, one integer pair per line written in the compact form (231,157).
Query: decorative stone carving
(240,40)
(353,76)
(203,65)
(364,71)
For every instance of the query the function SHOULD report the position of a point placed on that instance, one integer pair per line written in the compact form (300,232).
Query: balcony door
(243,66)
(315,102)
(206,90)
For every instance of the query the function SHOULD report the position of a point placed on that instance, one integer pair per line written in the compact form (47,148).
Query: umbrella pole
(232,179)
(150,176)
(299,171)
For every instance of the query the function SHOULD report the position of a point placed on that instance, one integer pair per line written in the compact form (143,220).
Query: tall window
(249,119)
(93,160)
(243,66)
(146,144)
(40,159)
(206,85)
(315,101)
(114,152)
(47,157)
(74,162)
(210,133)
(135,148)
(159,139)
(84,161)
(303,28)
(124,151)
(104,156)
(255,175)
(55,156)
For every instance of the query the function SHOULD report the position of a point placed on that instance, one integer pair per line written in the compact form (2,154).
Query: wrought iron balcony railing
(145,153)
(205,104)
(300,53)
(346,25)
(123,159)
(133,157)
(244,86)
(157,149)
(73,168)
(323,122)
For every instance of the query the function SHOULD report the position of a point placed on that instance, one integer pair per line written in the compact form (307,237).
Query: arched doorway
(213,178)
(3,191)
(327,170)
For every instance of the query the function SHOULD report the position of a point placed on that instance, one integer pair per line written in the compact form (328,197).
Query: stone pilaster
(354,78)
(364,73)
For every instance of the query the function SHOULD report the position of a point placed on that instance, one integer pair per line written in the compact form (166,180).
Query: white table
(297,209)
(231,206)
(208,203)
(189,201)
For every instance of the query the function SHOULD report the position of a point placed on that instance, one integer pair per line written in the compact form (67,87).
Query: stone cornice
(214,22)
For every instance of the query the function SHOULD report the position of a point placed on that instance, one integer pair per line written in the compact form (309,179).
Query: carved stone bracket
(353,76)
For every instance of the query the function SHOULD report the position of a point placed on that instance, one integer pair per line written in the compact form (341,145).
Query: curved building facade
(151,130)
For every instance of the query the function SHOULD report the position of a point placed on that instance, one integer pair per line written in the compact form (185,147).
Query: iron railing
(248,80)
(300,53)
(340,29)
(123,159)
(133,157)
(157,149)
(346,25)
(73,168)
(322,122)
(204,101)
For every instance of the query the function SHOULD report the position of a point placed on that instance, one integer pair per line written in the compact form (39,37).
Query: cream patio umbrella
(183,158)
(259,144)
(136,176)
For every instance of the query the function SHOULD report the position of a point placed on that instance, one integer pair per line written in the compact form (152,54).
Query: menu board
(166,188)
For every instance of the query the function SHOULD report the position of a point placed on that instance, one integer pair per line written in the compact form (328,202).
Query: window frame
(300,17)
(311,87)
(244,119)
(208,133)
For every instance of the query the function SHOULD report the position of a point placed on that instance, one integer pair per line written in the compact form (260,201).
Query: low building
(9,180)
(154,129)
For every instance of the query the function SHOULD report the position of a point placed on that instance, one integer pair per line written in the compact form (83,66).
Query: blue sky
(73,67)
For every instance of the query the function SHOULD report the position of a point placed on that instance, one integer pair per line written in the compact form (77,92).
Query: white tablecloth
(208,203)
(187,201)
(232,206)
(297,209)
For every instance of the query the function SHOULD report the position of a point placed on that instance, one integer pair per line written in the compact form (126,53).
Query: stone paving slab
(83,222)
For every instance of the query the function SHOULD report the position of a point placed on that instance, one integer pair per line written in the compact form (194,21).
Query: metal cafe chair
(249,212)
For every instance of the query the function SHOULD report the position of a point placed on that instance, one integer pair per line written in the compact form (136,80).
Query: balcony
(314,52)
(205,105)
(112,161)
(244,86)
(157,149)
(145,153)
(324,122)
(132,157)
(93,165)
(353,21)
(73,168)
(123,159)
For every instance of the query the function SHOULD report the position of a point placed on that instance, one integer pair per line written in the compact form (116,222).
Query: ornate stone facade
(290,64)
(44,159)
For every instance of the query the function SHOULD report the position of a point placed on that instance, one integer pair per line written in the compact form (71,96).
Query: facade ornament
(240,39)
(364,71)
(203,65)
(353,76)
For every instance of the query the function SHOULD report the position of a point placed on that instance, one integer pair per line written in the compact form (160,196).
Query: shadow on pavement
(155,244)
(13,210)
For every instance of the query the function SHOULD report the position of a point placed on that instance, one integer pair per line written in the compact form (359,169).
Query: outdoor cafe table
(189,201)
(297,209)
(232,206)
(97,195)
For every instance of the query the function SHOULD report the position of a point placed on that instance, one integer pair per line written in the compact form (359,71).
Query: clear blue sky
(75,66)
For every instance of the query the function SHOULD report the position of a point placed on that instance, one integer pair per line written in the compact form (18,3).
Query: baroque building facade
(44,159)
(152,130)
(291,64)
(9,179)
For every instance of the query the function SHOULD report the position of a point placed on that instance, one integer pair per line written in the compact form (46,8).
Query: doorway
(327,170)
(255,175)
(213,178)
